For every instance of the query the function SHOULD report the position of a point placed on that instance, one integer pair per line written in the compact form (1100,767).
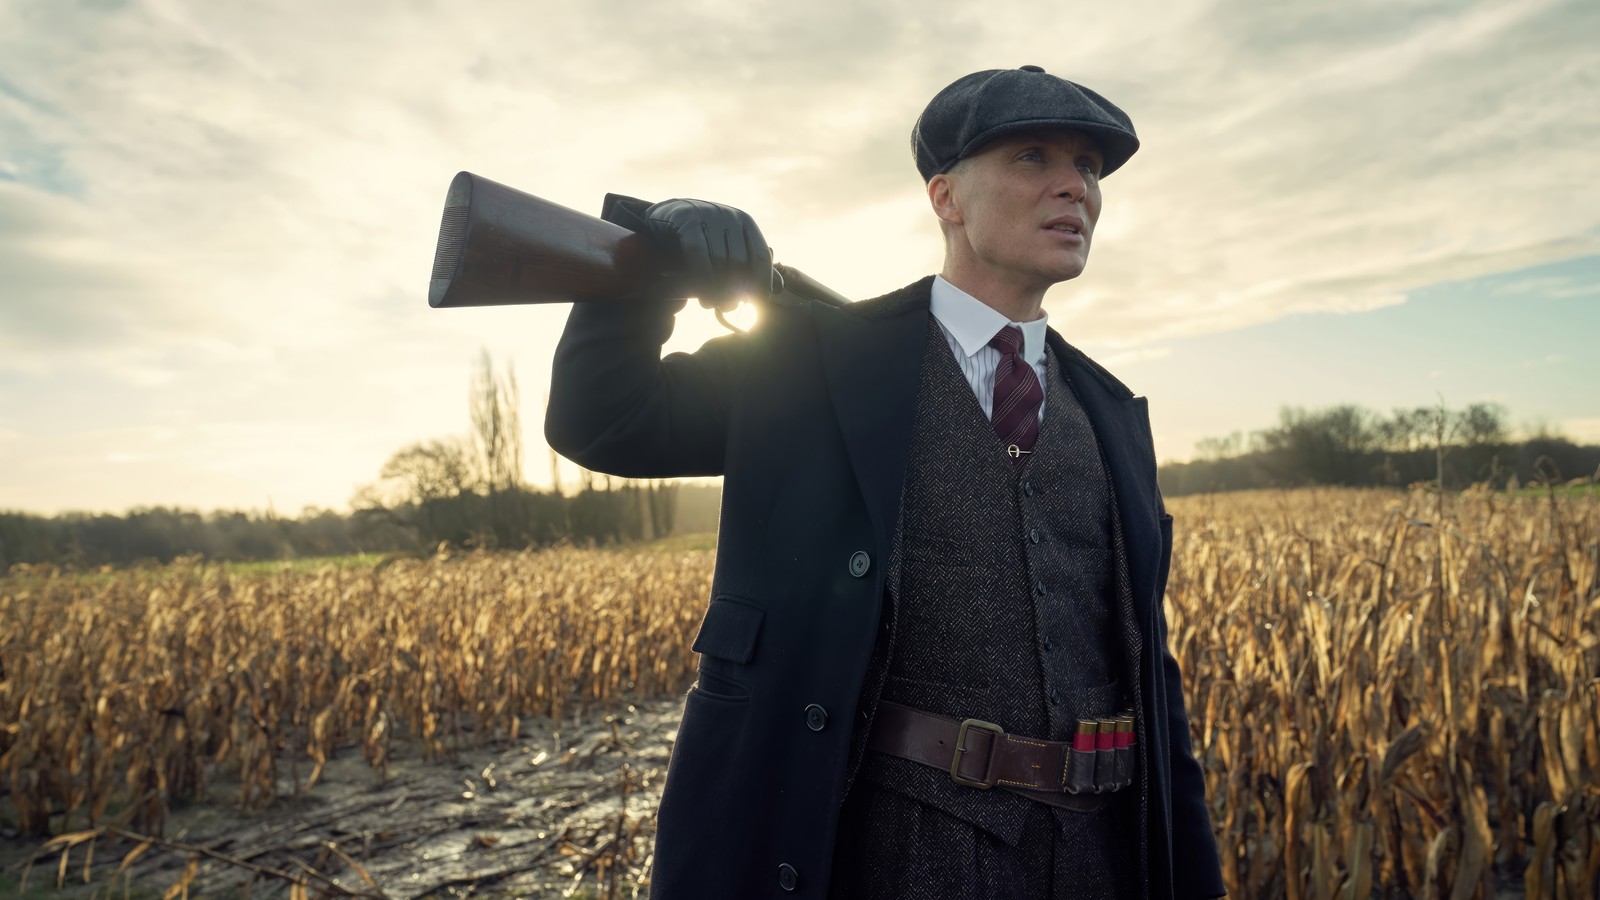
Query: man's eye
(1031,154)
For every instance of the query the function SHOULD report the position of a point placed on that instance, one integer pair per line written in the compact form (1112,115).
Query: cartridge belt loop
(1072,775)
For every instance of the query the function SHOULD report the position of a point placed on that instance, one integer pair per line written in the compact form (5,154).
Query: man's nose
(1073,186)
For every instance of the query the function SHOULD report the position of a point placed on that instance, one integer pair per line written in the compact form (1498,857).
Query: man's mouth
(1065,225)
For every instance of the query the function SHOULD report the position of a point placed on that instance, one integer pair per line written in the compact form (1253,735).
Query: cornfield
(1391,695)
(1394,694)
(131,690)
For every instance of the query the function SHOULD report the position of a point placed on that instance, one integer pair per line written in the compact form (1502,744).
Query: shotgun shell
(1124,751)
(1105,754)
(1080,766)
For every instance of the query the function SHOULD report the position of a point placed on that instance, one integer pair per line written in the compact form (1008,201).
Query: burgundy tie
(1017,395)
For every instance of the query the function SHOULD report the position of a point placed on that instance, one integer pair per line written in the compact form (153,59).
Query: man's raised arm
(616,405)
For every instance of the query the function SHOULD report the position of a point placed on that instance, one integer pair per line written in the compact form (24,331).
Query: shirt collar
(974,323)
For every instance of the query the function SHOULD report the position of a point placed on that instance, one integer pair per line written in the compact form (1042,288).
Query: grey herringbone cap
(980,107)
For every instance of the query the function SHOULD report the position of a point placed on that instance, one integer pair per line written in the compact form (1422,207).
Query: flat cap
(980,107)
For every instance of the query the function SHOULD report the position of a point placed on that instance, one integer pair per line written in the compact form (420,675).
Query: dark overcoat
(808,417)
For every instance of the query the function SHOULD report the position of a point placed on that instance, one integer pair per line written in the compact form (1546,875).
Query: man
(942,551)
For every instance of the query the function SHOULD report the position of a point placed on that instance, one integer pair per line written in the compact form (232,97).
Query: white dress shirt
(969,324)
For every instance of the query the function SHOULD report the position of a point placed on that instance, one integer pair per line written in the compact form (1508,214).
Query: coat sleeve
(1196,870)
(616,406)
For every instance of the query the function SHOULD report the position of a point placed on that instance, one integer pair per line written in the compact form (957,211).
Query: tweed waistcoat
(1006,598)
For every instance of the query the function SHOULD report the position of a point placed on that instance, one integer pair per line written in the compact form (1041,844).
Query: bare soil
(565,811)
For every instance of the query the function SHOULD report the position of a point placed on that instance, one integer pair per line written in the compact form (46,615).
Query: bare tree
(497,425)
(1483,423)
(495,405)
(433,470)
(423,488)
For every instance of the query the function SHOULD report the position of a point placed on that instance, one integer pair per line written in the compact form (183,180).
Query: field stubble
(1389,698)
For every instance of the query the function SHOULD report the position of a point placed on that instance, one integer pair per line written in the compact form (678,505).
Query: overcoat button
(788,878)
(816,717)
(1033,535)
(860,562)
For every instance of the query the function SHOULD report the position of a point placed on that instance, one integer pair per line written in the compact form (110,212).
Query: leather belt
(1072,775)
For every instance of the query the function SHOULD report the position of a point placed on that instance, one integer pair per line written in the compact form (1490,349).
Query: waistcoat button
(1039,589)
(860,562)
(816,717)
(1033,535)
(788,878)
(1027,486)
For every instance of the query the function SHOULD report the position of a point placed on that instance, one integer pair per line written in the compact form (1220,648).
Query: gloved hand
(723,254)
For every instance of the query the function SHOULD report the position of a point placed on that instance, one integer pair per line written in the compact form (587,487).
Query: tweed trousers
(1007,601)
(892,847)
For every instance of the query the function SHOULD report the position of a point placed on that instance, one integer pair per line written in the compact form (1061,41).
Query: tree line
(1350,445)
(469,491)
(465,491)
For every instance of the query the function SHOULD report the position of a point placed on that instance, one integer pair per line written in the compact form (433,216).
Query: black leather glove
(722,253)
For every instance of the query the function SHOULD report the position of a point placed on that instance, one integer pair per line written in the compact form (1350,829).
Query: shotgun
(500,247)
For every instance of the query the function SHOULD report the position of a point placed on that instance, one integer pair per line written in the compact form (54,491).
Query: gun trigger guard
(726,324)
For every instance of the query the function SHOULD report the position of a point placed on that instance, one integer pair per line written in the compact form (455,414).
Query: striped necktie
(1017,395)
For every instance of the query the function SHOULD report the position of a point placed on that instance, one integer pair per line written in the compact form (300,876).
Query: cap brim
(1116,145)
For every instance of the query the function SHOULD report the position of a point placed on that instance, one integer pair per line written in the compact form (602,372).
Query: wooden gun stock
(501,247)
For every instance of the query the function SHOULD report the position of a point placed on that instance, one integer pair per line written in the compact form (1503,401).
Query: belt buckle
(961,747)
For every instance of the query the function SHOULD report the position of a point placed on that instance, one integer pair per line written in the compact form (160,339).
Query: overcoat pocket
(730,630)
(727,645)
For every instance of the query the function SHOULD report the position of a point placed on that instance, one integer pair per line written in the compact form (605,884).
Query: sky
(217,220)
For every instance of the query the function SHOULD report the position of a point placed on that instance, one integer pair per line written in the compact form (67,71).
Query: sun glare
(745,315)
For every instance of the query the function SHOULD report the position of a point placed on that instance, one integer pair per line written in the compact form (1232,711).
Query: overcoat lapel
(1122,424)
(872,354)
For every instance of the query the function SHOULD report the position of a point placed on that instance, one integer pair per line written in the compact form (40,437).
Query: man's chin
(1066,271)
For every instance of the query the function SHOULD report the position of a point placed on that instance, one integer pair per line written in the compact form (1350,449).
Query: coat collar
(872,357)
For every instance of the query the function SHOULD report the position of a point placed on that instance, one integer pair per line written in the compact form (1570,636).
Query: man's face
(1025,204)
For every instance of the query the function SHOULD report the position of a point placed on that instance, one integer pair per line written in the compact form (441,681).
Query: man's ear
(942,197)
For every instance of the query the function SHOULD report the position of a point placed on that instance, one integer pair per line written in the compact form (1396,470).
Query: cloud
(71,285)
(214,212)
(1583,430)
(1119,358)
(1549,359)
(1296,159)
(1340,168)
